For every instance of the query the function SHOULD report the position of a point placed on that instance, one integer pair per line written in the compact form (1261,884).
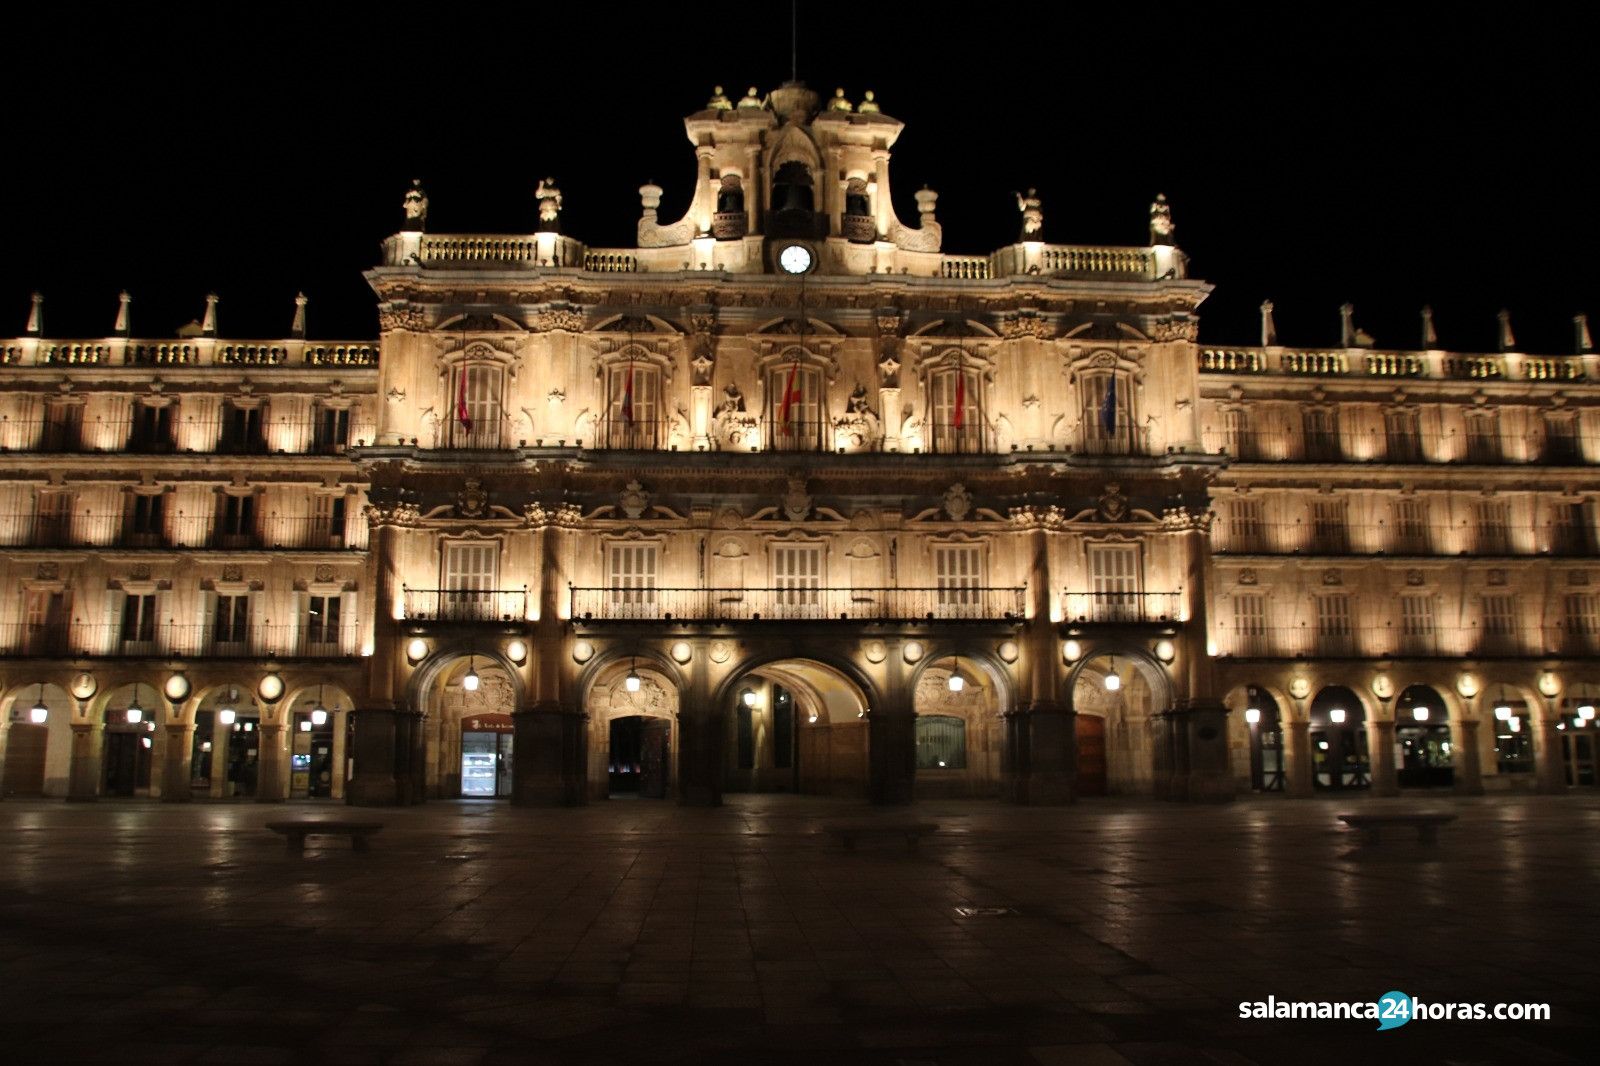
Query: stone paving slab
(1111,932)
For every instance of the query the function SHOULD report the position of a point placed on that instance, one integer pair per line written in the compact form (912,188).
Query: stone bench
(1370,825)
(849,832)
(295,832)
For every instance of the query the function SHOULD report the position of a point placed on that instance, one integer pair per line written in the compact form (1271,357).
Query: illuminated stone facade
(728,509)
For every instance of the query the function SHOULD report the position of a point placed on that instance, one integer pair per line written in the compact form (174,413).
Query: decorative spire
(1161,226)
(1580,326)
(1430,339)
(415,206)
(1269,328)
(298,327)
(1508,341)
(208,324)
(124,322)
(718,102)
(869,104)
(36,315)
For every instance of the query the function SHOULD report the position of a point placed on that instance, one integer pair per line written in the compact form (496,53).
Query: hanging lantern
(470,682)
(40,713)
(957,682)
(631,682)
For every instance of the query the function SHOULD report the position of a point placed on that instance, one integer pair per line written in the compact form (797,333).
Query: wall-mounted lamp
(1252,716)
(1336,716)
(416,649)
(517,651)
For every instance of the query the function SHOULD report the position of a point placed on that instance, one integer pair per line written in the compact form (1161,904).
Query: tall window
(1329,533)
(53,521)
(147,519)
(1416,623)
(1106,415)
(1250,623)
(803,429)
(958,575)
(471,571)
(797,577)
(1321,428)
(230,627)
(1236,435)
(152,428)
(44,616)
(941,742)
(631,577)
(1410,526)
(331,430)
(1569,534)
(1402,436)
(1582,622)
(241,430)
(479,399)
(633,419)
(1114,582)
(1561,439)
(1499,624)
(1244,526)
(139,621)
(321,624)
(1483,437)
(328,515)
(1494,527)
(1335,635)
(63,425)
(237,524)
(955,411)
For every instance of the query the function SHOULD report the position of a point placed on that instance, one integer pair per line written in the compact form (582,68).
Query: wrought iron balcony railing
(944,604)
(1121,607)
(164,639)
(1420,641)
(466,605)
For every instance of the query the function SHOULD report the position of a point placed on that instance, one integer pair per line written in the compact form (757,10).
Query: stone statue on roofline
(415,206)
(1032,215)
(1161,221)
(549,197)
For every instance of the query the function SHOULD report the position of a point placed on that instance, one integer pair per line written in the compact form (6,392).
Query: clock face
(795,259)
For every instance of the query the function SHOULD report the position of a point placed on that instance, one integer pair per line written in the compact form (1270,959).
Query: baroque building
(788,498)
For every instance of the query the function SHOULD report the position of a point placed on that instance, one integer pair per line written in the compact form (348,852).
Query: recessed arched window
(473,409)
(792,189)
(955,409)
(1106,413)
(941,742)
(633,405)
(798,423)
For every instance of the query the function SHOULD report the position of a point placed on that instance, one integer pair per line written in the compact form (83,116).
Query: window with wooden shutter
(471,575)
(797,576)
(631,578)
(1334,632)
(1250,623)
(1114,582)
(958,577)
(643,429)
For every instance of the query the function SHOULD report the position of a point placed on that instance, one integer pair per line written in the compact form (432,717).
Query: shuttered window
(1114,582)
(958,575)
(797,575)
(631,577)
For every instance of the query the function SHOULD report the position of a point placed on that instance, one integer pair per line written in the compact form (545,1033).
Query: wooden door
(1091,755)
(24,769)
(655,749)
(122,763)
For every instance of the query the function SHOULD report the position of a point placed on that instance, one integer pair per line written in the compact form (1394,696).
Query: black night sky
(1312,156)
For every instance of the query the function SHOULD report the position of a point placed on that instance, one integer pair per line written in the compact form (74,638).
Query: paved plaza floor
(640,932)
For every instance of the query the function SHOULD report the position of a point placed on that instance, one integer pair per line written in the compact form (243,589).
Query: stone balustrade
(199,352)
(1364,363)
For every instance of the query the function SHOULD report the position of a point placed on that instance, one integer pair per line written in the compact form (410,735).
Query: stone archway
(965,721)
(1117,695)
(793,724)
(644,721)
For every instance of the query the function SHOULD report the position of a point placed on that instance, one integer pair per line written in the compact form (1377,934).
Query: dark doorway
(127,760)
(655,753)
(1339,758)
(25,753)
(623,765)
(486,758)
(1422,739)
(1266,740)
(1091,732)
(244,757)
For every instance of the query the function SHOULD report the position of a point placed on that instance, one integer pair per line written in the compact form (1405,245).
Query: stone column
(410,766)
(1043,730)
(1468,758)
(702,730)
(1049,753)
(221,736)
(1549,771)
(547,739)
(83,784)
(889,411)
(1206,745)
(892,756)
(1298,765)
(1162,762)
(373,784)
(175,771)
(1380,742)
(272,778)
(341,726)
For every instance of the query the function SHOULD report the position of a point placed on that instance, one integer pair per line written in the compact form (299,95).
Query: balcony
(281,436)
(1378,445)
(1430,538)
(950,604)
(1121,608)
(466,605)
(1391,640)
(170,639)
(177,531)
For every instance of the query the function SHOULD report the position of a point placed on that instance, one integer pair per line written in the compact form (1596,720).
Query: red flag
(961,397)
(789,395)
(627,397)
(462,415)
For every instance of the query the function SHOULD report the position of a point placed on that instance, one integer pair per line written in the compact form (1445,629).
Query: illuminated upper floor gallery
(787,497)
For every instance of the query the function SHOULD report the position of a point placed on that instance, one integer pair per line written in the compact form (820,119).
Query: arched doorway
(225,746)
(1339,756)
(1580,747)
(1256,711)
(128,740)
(316,714)
(796,725)
(470,745)
(1425,753)
(959,734)
(1513,732)
(633,734)
(38,747)
(1116,695)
